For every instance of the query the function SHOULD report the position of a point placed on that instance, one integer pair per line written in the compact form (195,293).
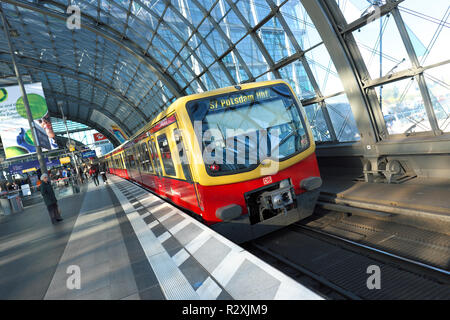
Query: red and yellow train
(240,158)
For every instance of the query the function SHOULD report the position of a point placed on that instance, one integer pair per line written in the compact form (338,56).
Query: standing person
(94,174)
(50,199)
(103,173)
(80,171)
(86,172)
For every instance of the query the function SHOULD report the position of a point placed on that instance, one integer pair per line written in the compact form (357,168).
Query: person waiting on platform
(50,199)
(103,173)
(94,174)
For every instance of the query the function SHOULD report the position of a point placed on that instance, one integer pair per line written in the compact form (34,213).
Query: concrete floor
(95,236)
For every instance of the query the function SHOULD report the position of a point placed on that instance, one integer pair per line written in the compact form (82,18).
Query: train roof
(116,149)
(181,101)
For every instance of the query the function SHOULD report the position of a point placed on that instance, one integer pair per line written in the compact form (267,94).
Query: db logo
(267,180)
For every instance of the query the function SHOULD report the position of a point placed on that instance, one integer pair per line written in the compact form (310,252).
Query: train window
(241,129)
(166,156)
(182,154)
(147,160)
(142,158)
(130,158)
(137,156)
(155,157)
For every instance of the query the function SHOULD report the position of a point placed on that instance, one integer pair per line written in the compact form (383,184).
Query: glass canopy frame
(132,58)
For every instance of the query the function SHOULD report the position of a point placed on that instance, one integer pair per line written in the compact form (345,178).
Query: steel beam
(92,106)
(50,67)
(112,36)
(342,60)
(89,123)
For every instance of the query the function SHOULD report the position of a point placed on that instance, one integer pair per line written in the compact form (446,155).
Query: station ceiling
(132,58)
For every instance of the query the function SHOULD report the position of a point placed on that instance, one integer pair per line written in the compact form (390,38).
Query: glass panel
(217,42)
(182,156)
(276,40)
(219,76)
(319,127)
(166,156)
(385,56)
(324,71)
(296,75)
(402,106)
(300,24)
(438,83)
(240,129)
(233,27)
(146,164)
(253,11)
(235,68)
(252,56)
(354,9)
(428,27)
(341,116)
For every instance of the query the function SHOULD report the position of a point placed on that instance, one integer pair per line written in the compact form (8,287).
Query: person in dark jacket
(50,199)
(94,174)
(103,173)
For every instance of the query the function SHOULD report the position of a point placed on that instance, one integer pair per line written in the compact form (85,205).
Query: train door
(185,186)
(147,170)
(157,164)
(139,159)
(177,184)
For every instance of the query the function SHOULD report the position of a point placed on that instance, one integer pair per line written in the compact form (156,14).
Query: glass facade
(131,59)
(412,36)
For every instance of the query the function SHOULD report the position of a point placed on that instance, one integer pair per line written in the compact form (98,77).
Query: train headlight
(311,183)
(229,212)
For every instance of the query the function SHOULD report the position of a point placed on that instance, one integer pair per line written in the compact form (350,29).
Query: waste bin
(5,207)
(16,203)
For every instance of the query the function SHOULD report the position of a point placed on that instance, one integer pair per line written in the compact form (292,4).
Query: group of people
(45,186)
(93,170)
(7,187)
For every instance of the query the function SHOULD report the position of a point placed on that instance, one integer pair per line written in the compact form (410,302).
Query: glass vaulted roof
(131,58)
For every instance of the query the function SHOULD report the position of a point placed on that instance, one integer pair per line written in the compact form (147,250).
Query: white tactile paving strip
(191,261)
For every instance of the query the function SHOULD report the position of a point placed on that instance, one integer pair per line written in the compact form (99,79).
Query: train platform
(119,241)
(417,201)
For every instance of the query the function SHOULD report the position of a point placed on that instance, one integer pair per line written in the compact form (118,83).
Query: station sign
(88,154)
(64,160)
(32,165)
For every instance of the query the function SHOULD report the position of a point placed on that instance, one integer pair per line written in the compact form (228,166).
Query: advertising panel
(99,137)
(14,129)
(109,125)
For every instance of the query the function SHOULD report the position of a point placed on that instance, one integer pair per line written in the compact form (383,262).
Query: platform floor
(425,195)
(128,244)
(35,255)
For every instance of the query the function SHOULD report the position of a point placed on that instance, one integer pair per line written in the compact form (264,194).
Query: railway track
(336,265)
(338,268)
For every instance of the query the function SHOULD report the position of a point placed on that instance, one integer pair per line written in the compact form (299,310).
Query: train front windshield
(240,129)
